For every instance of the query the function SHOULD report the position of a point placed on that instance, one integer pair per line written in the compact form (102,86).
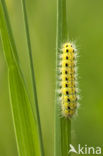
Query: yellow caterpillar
(68,90)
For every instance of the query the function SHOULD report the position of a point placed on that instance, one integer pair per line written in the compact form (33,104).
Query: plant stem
(11,38)
(62,126)
(35,106)
(25,124)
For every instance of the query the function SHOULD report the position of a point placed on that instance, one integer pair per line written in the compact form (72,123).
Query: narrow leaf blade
(25,124)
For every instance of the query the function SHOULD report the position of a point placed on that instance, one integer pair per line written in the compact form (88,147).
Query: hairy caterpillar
(67,80)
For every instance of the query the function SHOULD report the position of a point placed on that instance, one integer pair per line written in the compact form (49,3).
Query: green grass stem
(25,122)
(11,38)
(62,137)
(35,105)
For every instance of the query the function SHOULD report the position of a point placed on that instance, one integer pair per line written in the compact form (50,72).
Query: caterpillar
(68,91)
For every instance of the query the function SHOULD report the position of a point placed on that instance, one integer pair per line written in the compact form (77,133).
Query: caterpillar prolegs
(67,80)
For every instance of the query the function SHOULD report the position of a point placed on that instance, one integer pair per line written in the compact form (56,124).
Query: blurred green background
(85,25)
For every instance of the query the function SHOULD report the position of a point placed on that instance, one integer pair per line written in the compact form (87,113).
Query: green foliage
(25,123)
(35,104)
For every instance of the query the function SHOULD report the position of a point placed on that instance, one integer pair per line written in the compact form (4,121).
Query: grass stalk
(25,124)
(11,38)
(35,105)
(62,137)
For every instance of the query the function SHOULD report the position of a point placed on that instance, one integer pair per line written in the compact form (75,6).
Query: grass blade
(25,124)
(10,31)
(35,105)
(62,137)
